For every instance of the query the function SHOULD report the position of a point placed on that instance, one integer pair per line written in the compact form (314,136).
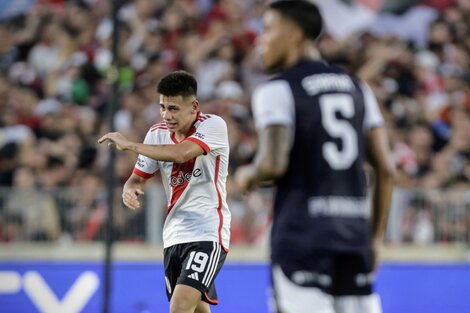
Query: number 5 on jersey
(338,128)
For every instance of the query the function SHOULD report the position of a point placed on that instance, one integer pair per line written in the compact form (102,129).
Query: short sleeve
(211,133)
(273,104)
(144,166)
(373,117)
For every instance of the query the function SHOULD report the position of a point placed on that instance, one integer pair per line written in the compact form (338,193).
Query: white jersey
(197,207)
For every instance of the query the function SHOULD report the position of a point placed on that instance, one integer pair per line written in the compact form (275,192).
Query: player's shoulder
(271,88)
(158,132)
(209,119)
(161,126)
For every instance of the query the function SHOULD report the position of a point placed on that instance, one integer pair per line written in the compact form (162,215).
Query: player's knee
(202,307)
(182,305)
(177,307)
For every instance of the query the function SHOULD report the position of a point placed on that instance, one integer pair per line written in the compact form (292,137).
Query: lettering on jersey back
(318,83)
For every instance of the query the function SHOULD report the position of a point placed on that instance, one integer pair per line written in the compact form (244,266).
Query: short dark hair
(178,83)
(303,13)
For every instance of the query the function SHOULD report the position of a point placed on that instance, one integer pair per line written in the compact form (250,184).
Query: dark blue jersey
(321,201)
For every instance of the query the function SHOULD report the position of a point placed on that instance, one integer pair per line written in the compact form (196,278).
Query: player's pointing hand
(115,140)
(130,197)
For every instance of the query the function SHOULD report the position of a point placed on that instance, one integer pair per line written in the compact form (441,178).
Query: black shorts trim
(338,274)
(206,298)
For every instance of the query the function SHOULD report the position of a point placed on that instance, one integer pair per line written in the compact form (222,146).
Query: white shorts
(292,298)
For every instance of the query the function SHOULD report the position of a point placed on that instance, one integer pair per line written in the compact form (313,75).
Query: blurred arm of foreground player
(379,156)
(271,160)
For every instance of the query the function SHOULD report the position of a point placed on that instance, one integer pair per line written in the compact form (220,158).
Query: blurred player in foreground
(191,150)
(316,126)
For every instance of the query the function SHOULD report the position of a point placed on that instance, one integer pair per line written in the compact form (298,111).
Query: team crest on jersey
(182,177)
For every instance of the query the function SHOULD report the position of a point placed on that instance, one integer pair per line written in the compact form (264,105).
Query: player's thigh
(292,298)
(185,299)
(358,304)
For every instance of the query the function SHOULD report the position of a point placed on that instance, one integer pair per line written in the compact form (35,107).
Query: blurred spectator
(452,163)
(423,231)
(32,210)
(84,220)
(8,163)
(451,216)
(414,156)
(8,51)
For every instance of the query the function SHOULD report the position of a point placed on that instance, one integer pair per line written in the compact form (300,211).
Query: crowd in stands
(56,78)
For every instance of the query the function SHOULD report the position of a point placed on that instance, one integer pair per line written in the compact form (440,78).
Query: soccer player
(316,126)
(191,150)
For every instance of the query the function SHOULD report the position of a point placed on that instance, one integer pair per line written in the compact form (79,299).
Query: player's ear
(195,106)
(296,34)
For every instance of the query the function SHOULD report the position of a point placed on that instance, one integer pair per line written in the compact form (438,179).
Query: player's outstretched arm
(380,158)
(178,153)
(116,140)
(133,188)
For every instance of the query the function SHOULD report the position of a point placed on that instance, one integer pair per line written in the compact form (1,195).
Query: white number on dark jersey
(338,128)
(197,261)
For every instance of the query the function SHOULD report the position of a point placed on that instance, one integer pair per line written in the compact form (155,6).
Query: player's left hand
(115,140)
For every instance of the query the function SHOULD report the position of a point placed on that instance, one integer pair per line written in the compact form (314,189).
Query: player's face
(178,112)
(275,41)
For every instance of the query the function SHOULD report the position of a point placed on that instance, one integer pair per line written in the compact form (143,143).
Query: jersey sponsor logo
(182,177)
(335,206)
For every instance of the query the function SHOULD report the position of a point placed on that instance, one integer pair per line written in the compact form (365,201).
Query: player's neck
(183,133)
(311,52)
(307,50)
